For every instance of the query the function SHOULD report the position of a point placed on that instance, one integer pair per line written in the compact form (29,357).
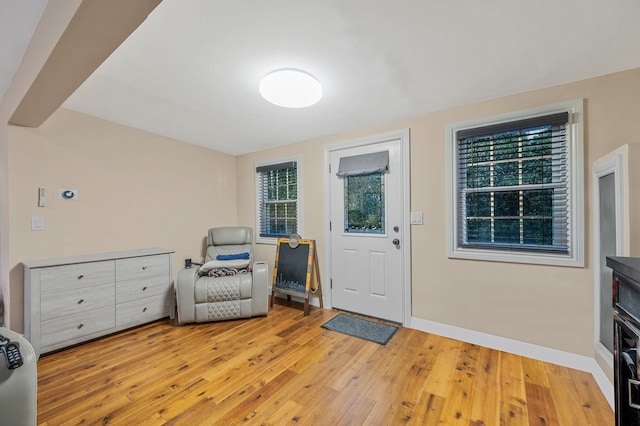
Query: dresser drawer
(79,275)
(72,299)
(141,267)
(76,326)
(142,310)
(68,302)
(127,291)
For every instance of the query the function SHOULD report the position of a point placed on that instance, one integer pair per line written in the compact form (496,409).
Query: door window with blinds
(277,200)
(363,176)
(515,195)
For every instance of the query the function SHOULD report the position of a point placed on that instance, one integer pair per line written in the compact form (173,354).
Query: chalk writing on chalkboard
(292,270)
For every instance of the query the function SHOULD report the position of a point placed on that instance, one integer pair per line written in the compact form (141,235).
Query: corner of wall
(4,223)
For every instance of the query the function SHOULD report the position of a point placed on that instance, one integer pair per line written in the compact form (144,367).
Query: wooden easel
(315,278)
(296,272)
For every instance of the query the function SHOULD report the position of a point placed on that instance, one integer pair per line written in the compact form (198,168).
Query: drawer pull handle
(80,326)
(144,268)
(144,310)
(144,288)
(80,301)
(80,277)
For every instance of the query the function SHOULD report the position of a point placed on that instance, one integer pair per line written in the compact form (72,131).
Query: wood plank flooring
(286,369)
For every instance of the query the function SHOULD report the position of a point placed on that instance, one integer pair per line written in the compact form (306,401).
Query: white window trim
(298,160)
(576,186)
(613,163)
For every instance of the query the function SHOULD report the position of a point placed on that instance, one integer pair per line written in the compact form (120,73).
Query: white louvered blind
(277,199)
(513,186)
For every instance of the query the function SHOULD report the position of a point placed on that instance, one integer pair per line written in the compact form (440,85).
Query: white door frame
(403,136)
(611,163)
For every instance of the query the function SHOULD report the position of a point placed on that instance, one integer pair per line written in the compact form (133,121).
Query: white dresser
(73,299)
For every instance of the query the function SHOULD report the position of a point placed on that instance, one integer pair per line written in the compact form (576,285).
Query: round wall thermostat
(294,240)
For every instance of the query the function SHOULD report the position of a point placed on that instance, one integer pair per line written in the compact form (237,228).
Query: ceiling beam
(95,31)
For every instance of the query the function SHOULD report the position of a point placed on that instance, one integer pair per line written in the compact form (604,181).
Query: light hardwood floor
(286,369)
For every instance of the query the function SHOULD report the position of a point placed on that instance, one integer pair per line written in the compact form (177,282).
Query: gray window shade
(357,165)
(277,166)
(557,119)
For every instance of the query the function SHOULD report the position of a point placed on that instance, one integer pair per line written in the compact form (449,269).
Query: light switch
(416,218)
(37,223)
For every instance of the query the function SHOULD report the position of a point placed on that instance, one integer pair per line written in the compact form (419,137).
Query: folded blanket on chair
(224,272)
(235,256)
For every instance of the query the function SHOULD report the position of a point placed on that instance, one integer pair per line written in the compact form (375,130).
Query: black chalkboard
(293,267)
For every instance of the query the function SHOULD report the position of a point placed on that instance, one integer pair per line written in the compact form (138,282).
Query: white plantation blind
(277,199)
(513,189)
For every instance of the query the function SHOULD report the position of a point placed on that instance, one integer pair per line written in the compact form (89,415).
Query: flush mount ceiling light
(290,88)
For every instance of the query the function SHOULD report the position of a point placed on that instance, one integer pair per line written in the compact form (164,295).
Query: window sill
(268,241)
(514,257)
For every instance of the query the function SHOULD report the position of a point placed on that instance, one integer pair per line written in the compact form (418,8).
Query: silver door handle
(396,241)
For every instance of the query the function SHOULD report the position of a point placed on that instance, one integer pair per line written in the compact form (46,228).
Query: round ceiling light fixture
(290,88)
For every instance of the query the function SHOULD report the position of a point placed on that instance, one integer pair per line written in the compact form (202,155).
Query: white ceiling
(191,70)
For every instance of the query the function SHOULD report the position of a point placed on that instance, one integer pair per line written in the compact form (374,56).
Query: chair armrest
(19,387)
(185,294)
(260,288)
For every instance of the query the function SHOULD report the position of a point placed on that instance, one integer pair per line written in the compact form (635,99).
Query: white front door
(366,234)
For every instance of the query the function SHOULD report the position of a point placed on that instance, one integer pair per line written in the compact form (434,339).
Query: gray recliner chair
(19,386)
(228,285)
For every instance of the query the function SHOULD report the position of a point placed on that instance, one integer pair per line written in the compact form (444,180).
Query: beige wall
(52,24)
(136,190)
(543,305)
(141,190)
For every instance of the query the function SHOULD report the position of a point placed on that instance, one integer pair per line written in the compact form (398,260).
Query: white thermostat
(68,194)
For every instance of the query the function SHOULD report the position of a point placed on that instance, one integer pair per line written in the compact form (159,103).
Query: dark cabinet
(626,335)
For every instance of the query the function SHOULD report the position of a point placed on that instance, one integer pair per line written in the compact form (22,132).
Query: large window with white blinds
(277,200)
(516,188)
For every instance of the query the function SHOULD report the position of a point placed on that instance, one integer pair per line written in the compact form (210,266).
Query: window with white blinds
(277,200)
(514,190)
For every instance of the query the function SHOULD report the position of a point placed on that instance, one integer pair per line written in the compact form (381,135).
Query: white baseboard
(554,356)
